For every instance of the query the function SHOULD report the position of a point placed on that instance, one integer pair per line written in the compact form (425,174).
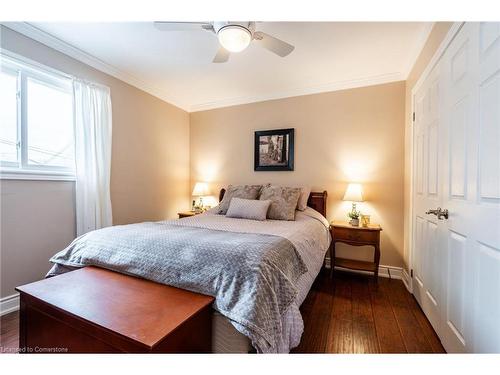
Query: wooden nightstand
(356,236)
(187,214)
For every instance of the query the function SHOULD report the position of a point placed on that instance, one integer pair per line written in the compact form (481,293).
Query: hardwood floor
(349,314)
(353,314)
(9,332)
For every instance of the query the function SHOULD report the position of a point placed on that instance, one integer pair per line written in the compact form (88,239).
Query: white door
(468,179)
(428,257)
(486,246)
(459,186)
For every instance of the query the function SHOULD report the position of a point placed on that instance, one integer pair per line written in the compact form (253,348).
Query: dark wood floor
(349,314)
(353,314)
(9,332)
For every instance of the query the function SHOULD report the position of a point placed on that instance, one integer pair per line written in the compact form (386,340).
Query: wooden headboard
(317,200)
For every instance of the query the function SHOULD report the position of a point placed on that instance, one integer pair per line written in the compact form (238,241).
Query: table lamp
(200,190)
(353,193)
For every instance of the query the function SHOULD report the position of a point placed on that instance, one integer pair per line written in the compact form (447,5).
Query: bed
(274,263)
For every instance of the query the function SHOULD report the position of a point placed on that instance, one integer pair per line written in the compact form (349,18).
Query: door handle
(439,212)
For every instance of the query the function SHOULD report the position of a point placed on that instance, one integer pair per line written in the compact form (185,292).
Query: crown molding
(333,86)
(419,46)
(53,42)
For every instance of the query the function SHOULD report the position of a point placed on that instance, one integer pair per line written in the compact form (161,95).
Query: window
(36,122)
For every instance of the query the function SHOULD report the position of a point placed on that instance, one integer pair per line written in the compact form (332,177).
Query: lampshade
(353,193)
(200,189)
(234,38)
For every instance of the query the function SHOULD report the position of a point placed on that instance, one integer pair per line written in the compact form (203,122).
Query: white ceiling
(177,67)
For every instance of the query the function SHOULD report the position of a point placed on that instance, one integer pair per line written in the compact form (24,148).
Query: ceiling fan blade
(221,56)
(273,44)
(182,26)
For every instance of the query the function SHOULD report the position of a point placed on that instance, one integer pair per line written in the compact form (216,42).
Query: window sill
(6,174)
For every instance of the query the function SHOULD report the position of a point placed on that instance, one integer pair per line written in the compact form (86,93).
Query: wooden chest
(93,310)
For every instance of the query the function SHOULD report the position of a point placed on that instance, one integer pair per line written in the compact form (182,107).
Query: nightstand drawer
(358,235)
(187,214)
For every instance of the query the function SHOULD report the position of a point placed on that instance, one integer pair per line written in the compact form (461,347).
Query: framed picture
(273,150)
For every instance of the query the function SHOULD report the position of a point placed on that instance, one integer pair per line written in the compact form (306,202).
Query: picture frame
(274,150)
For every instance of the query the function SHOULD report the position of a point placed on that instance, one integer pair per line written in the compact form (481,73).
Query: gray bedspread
(252,276)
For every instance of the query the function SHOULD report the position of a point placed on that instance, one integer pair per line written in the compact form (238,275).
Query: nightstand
(356,236)
(187,214)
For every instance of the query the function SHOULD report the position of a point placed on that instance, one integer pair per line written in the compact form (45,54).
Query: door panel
(489,142)
(489,33)
(419,241)
(489,53)
(433,257)
(420,163)
(487,329)
(432,179)
(458,150)
(456,277)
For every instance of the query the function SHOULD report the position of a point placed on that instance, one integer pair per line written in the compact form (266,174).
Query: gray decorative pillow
(304,196)
(284,201)
(248,209)
(238,191)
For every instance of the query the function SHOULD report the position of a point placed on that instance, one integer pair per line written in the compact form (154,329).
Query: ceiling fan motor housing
(233,36)
(219,25)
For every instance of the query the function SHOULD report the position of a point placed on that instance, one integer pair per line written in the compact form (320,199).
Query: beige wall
(149,172)
(37,220)
(433,42)
(342,136)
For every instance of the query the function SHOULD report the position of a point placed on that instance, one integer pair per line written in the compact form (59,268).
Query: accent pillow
(304,196)
(284,201)
(248,209)
(238,191)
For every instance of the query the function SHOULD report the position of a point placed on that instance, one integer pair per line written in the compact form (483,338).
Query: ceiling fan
(233,37)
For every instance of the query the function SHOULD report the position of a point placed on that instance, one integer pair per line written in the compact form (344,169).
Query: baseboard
(389,272)
(407,280)
(9,304)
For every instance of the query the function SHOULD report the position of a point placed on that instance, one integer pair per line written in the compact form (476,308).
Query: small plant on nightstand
(354,216)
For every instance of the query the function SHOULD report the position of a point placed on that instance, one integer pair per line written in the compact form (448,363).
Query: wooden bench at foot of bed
(93,310)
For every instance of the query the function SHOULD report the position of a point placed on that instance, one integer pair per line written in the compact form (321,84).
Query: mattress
(311,237)
(226,339)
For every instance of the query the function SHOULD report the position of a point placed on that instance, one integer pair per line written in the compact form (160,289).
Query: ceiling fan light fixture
(234,38)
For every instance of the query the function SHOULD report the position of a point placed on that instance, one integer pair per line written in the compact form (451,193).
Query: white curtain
(93,123)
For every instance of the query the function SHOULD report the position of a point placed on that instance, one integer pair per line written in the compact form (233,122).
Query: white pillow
(304,196)
(248,209)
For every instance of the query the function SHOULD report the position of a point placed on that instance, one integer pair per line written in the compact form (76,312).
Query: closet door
(472,190)
(486,245)
(460,144)
(428,254)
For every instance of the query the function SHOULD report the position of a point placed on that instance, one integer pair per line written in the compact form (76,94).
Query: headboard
(317,200)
